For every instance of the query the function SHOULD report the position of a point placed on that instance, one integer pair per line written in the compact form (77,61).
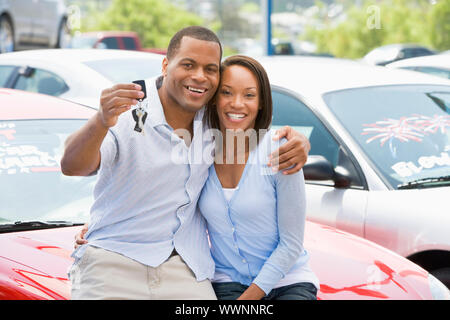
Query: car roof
(401,46)
(439,60)
(319,75)
(77,55)
(22,105)
(100,34)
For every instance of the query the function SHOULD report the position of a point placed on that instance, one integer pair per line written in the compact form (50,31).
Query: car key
(140,113)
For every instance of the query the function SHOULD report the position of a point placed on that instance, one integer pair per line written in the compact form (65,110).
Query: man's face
(191,76)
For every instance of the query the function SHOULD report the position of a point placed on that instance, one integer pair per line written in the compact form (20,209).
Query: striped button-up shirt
(147,191)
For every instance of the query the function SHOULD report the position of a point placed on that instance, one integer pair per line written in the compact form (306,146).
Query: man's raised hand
(116,100)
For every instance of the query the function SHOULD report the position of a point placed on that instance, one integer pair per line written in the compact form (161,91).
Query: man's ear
(165,63)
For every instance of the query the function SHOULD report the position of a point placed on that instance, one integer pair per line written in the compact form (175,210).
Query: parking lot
(377,179)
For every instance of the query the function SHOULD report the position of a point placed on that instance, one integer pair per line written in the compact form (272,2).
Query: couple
(159,230)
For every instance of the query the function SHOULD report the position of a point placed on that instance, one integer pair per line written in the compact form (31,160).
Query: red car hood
(350,267)
(34,264)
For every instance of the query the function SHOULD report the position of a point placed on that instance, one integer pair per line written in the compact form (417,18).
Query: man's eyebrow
(213,65)
(187,59)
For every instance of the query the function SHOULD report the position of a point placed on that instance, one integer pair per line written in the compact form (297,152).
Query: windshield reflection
(404,130)
(32,186)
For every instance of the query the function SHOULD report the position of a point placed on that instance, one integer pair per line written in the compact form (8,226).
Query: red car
(42,210)
(123,40)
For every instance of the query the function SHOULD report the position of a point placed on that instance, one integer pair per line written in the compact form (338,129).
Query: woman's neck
(236,146)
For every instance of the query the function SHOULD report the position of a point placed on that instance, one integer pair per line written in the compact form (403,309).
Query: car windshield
(126,70)
(404,130)
(32,186)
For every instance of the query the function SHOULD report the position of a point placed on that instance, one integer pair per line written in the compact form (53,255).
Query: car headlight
(438,290)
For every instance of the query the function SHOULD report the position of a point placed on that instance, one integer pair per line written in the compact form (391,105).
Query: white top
(228,193)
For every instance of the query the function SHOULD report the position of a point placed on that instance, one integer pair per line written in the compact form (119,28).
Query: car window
(415,52)
(110,43)
(403,130)
(421,52)
(126,70)
(443,73)
(129,43)
(5,73)
(283,49)
(42,81)
(288,110)
(408,53)
(32,186)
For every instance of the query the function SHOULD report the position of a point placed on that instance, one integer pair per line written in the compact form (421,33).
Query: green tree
(377,23)
(156,21)
(440,25)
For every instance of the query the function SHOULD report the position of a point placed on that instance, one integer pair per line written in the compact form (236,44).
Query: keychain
(140,113)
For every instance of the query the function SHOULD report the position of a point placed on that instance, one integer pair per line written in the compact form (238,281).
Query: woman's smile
(238,99)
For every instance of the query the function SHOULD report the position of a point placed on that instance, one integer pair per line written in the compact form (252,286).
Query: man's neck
(175,115)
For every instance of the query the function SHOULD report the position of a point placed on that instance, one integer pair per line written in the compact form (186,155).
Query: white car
(395,52)
(26,24)
(379,165)
(78,75)
(437,65)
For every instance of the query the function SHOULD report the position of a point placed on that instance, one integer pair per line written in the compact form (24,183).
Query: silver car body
(35,23)
(406,221)
(84,83)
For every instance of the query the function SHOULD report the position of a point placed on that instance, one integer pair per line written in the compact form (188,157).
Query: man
(146,241)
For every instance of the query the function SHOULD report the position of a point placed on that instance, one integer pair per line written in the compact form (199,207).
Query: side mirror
(317,168)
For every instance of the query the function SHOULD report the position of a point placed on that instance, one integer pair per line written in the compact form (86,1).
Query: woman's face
(237,99)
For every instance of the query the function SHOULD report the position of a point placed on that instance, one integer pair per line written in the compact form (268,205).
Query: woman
(255,217)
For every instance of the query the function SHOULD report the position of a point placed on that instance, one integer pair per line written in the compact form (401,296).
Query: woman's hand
(252,293)
(79,237)
(293,153)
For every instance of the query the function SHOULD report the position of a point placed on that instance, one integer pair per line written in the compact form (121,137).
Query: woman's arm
(291,216)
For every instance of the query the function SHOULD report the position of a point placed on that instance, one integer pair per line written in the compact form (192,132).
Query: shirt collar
(155,109)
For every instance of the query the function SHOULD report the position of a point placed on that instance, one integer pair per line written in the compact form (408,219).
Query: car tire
(63,34)
(6,35)
(442,275)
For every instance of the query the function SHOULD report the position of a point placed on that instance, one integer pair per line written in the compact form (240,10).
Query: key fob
(143,89)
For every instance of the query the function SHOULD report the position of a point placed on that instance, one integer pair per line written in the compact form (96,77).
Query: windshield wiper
(425,183)
(34,225)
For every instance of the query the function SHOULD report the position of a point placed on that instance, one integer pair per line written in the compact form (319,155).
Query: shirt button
(244,261)
(233,229)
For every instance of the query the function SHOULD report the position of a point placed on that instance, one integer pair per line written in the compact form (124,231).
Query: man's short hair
(196,32)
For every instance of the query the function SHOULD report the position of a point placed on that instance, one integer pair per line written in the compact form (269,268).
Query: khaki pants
(106,275)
